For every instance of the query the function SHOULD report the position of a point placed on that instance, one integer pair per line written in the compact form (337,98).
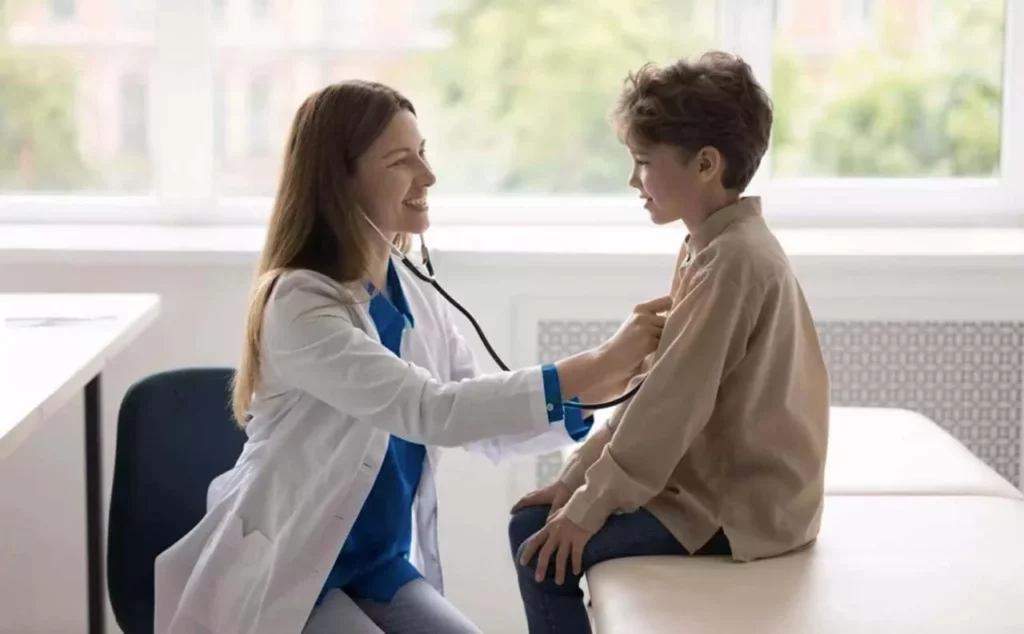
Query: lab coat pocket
(234,572)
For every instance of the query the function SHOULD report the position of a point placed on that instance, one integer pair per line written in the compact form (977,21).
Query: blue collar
(389,312)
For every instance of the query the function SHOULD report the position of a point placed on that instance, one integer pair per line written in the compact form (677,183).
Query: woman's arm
(616,360)
(533,442)
(311,343)
(575,424)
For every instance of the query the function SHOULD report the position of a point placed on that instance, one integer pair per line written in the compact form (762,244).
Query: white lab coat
(329,398)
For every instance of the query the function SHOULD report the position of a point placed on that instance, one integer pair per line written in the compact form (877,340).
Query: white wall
(42,538)
(41,500)
(42,535)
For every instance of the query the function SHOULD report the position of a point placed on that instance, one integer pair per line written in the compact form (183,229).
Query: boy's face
(672,185)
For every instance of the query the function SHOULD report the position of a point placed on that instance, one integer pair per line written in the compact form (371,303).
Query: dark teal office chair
(175,433)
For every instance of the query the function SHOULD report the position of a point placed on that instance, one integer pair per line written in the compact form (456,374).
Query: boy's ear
(709,163)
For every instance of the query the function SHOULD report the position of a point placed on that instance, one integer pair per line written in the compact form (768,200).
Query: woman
(352,376)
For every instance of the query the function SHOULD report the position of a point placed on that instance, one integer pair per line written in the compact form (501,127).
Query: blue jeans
(551,608)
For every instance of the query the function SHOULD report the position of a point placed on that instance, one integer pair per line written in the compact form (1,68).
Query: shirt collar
(719,221)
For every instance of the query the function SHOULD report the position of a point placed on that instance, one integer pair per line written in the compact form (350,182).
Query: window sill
(536,245)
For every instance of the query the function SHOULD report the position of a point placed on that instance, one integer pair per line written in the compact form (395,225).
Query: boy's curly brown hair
(713,101)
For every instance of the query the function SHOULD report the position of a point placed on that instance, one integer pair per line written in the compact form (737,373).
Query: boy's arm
(589,451)
(705,336)
(677,277)
(586,454)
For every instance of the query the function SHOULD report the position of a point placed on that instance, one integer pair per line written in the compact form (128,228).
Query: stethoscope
(430,279)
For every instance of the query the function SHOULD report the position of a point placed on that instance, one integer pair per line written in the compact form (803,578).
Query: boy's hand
(555,495)
(560,538)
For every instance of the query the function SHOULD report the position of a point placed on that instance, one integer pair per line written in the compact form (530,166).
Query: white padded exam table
(893,451)
(918,536)
(882,565)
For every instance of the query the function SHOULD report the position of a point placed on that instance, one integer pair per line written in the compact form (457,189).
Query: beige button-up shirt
(731,425)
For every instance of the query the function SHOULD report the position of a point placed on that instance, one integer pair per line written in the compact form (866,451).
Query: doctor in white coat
(352,377)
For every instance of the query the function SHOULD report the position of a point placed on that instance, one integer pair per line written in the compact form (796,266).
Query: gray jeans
(417,609)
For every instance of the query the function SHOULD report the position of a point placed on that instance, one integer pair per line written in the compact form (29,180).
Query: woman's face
(392,178)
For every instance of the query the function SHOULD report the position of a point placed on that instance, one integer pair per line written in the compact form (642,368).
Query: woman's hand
(554,495)
(619,358)
(636,338)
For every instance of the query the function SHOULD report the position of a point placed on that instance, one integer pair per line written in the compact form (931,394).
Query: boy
(722,451)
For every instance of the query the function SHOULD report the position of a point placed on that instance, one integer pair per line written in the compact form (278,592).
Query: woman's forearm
(582,373)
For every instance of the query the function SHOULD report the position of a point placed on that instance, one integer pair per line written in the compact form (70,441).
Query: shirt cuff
(552,393)
(588,510)
(575,425)
(573,473)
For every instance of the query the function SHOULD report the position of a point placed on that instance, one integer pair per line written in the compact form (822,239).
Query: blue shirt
(374,560)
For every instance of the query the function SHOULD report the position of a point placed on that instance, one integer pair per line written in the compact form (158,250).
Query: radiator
(968,376)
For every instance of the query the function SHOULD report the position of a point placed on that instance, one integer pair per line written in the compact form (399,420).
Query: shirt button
(551,407)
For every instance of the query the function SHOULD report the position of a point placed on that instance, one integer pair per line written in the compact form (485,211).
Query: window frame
(184,160)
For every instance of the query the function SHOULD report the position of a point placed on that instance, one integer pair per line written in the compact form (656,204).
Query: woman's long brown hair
(315,224)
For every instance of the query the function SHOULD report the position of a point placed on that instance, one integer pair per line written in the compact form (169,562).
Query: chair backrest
(175,433)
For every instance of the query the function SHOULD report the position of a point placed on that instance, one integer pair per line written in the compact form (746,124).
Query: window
(219,120)
(519,99)
(134,115)
(132,168)
(427,10)
(137,13)
(892,111)
(62,9)
(259,117)
(348,19)
(260,9)
(857,13)
(76,102)
(528,117)
(916,93)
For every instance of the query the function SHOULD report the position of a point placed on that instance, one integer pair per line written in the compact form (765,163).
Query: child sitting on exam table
(722,450)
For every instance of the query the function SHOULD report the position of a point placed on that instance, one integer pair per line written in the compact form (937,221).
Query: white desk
(52,347)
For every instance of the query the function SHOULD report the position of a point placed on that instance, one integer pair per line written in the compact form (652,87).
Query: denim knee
(523,524)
